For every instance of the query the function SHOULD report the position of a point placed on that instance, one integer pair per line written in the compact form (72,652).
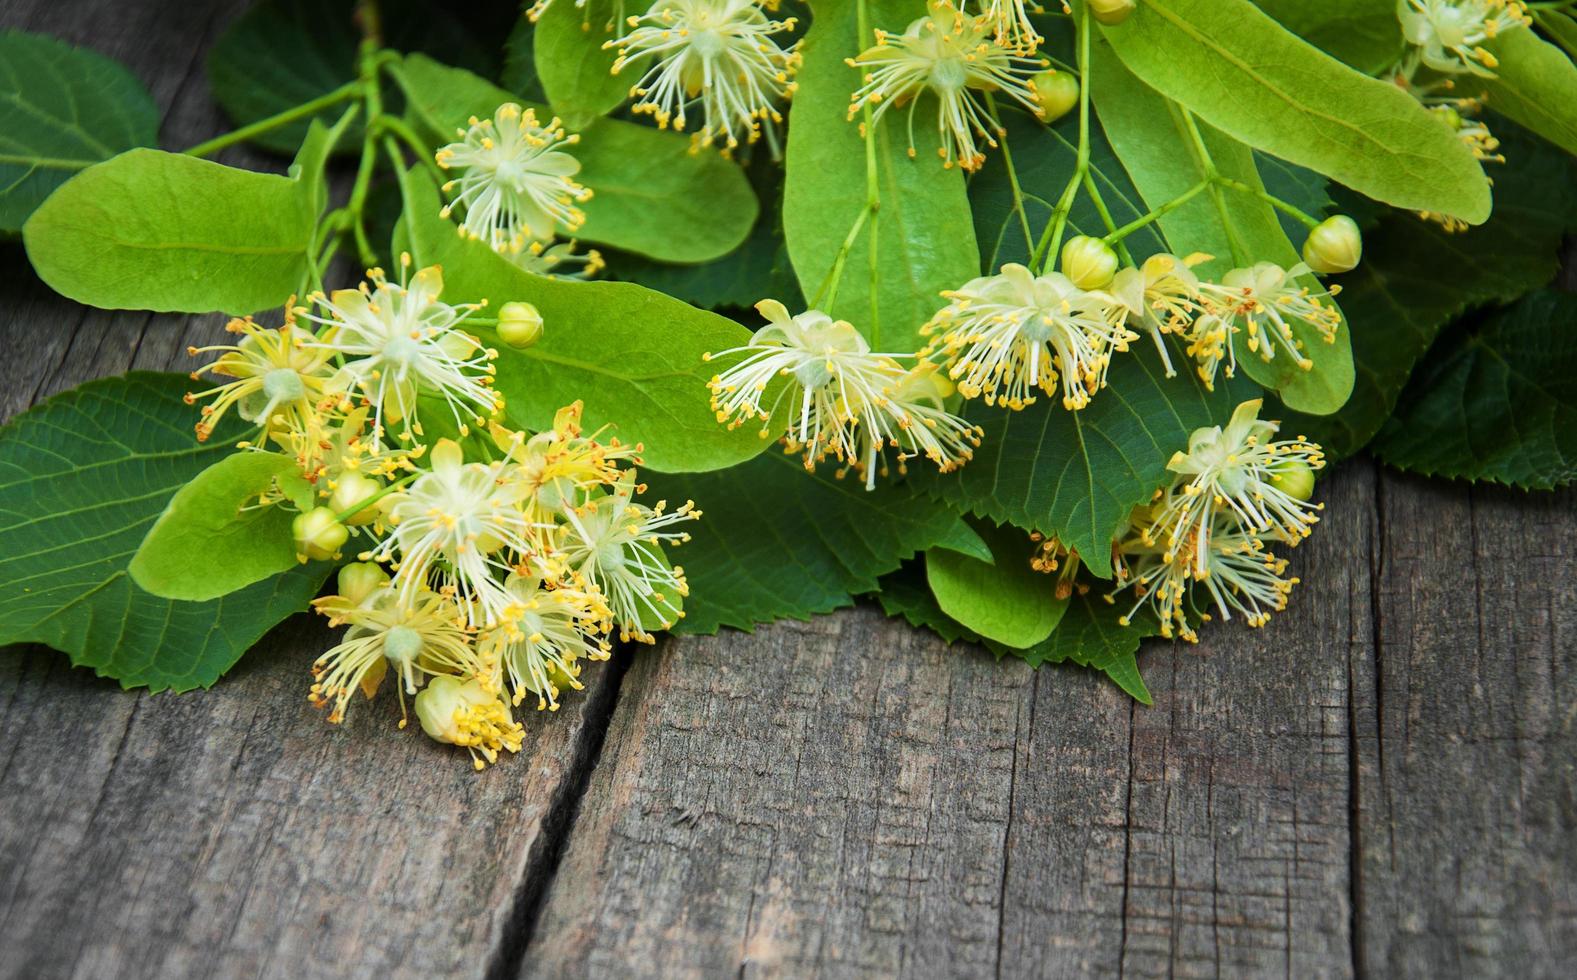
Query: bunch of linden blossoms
(724,53)
(961,60)
(1008,336)
(515,185)
(839,398)
(1445,42)
(1204,542)
(491,562)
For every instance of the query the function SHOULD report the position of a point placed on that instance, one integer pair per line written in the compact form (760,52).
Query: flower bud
(464,712)
(1089,262)
(352,490)
(1057,92)
(519,325)
(1334,245)
(361,579)
(1110,12)
(318,535)
(437,703)
(1295,478)
(1449,116)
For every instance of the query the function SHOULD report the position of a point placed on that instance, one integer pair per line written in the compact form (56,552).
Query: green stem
(344,93)
(868,212)
(346,515)
(872,187)
(409,137)
(1007,160)
(1268,198)
(829,286)
(1094,191)
(1157,214)
(1212,176)
(368,80)
(1051,239)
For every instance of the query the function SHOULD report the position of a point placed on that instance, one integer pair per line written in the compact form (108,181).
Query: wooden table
(1381,782)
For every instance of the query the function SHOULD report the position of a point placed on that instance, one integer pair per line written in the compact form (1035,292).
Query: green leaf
(282,53)
(1152,138)
(520,62)
(1495,403)
(1090,634)
(576,72)
(1536,85)
(308,169)
(1363,33)
(1077,475)
(1415,277)
(278,55)
(925,239)
(775,542)
(1560,25)
(759,269)
(150,230)
(961,539)
(1043,158)
(906,593)
(82,477)
(61,109)
(634,356)
(1003,599)
(212,539)
(1253,80)
(651,195)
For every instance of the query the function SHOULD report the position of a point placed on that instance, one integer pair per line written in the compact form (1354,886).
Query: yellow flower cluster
(1204,542)
(496,561)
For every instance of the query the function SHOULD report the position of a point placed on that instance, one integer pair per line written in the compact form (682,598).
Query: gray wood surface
(1379,783)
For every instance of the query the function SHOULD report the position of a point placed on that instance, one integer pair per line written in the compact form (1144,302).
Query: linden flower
(1265,302)
(540,648)
(833,375)
(279,380)
(1243,576)
(957,58)
(1162,296)
(1449,34)
(422,638)
(401,341)
(456,525)
(469,713)
(1238,575)
(1052,557)
(720,51)
(557,260)
(916,404)
(1008,335)
(514,182)
(615,544)
(1010,23)
(1240,470)
(556,469)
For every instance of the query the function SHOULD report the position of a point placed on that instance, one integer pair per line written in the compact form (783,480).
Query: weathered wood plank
(1205,835)
(1209,836)
(822,798)
(1468,787)
(233,832)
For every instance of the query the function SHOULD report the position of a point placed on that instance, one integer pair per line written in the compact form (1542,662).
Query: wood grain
(829,797)
(233,832)
(1380,783)
(1065,831)
(1468,796)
